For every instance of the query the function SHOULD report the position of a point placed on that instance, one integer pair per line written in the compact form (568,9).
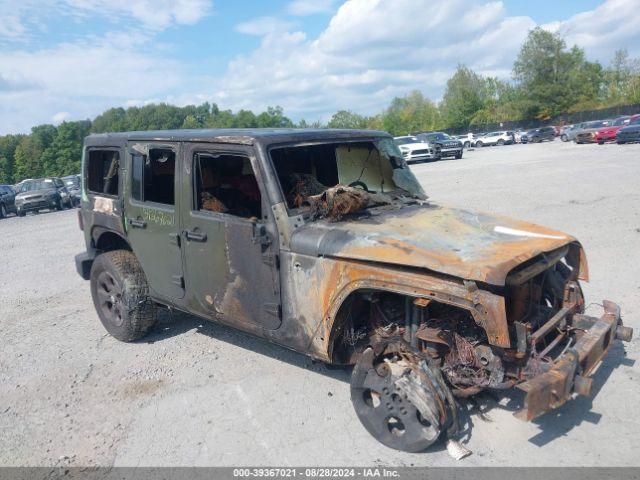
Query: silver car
(44,193)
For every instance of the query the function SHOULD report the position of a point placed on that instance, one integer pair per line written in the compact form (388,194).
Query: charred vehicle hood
(460,243)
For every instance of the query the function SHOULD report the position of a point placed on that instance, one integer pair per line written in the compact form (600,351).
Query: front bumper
(570,373)
(451,152)
(30,205)
(84,261)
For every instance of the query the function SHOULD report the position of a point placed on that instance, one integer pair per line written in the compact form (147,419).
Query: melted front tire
(397,399)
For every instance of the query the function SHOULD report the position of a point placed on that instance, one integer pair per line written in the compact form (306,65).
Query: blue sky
(72,59)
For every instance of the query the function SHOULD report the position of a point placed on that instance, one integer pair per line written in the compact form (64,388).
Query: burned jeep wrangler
(324,242)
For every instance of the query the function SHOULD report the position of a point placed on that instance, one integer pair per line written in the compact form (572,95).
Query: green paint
(157,216)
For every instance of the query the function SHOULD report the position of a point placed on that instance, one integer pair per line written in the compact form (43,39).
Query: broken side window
(102,172)
(153,176)
(226,183)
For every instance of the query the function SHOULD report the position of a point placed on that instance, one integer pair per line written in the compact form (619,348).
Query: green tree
(553,78)
(64,154)
(8,145)
(409,114)
(347,119)
(465,95)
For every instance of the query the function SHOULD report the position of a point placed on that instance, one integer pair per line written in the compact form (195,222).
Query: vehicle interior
(225,183)
(309,170)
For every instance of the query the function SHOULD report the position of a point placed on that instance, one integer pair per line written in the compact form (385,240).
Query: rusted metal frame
(492,317)
(551,324)
(570,372)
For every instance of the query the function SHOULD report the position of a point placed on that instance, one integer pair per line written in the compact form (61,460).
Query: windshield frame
(302,212)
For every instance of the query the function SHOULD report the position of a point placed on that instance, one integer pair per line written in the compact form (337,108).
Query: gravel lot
(194,393)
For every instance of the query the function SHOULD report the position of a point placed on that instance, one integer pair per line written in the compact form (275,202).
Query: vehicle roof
(235,135)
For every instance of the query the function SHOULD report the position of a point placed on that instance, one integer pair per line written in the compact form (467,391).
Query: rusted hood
(456,242)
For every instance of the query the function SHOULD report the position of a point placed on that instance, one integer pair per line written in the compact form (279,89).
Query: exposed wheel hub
(396,398)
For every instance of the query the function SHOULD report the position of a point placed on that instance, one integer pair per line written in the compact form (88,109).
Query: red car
(608,134)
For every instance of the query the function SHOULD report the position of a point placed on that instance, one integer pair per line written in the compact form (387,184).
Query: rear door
(151,221)
(230,247)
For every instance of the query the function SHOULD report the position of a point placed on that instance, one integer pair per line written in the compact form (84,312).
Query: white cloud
(371,51)
(264,25)
(614,24)
(19,19)
(60,117)
(310,7)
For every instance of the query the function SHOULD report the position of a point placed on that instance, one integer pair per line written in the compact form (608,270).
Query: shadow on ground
(172,323)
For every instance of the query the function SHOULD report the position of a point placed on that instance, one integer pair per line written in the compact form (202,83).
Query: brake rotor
(397,398)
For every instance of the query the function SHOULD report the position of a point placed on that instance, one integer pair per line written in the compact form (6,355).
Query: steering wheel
(360,184)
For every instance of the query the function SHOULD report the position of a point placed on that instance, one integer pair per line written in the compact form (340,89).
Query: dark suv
(7,200)
(44,193)
(449,146)
(538,135)
(323,241)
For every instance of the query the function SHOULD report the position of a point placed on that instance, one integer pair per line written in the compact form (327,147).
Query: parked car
(495,138)
(630,133)
(7,200)
(415,150)
(324,242)
(588,131)
(538,135)
(468,140)
(44,193)
(72,182)
(570,131)
(449,147)
(608,134)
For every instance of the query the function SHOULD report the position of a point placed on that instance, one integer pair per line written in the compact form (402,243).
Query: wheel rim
(389,411)
(109,293)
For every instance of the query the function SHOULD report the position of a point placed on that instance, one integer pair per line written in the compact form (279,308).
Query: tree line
(548,79)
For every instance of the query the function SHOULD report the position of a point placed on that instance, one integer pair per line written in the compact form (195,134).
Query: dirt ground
(195,393)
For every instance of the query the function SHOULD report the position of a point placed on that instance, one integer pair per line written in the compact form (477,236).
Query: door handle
(195,236)
(137,223)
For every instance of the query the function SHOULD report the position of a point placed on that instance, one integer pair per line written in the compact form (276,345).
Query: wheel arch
(106,240)
(338,314)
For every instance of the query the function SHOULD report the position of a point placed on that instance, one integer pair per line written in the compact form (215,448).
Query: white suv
(495,138)
(415,150)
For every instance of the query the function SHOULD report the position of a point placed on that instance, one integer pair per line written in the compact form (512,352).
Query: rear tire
(500,142)
(3,211)
(121,295)
(564,138)
(479,144)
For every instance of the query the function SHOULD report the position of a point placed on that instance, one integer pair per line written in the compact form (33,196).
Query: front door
(151,221)
(231,265)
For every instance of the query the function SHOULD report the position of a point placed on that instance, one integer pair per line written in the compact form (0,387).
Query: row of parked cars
(33,195)
(624,129)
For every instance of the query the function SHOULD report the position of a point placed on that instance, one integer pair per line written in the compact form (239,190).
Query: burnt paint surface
(454,242)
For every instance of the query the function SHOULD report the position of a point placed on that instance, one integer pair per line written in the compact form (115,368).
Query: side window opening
(153,176)
(226,183)
(102,172)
